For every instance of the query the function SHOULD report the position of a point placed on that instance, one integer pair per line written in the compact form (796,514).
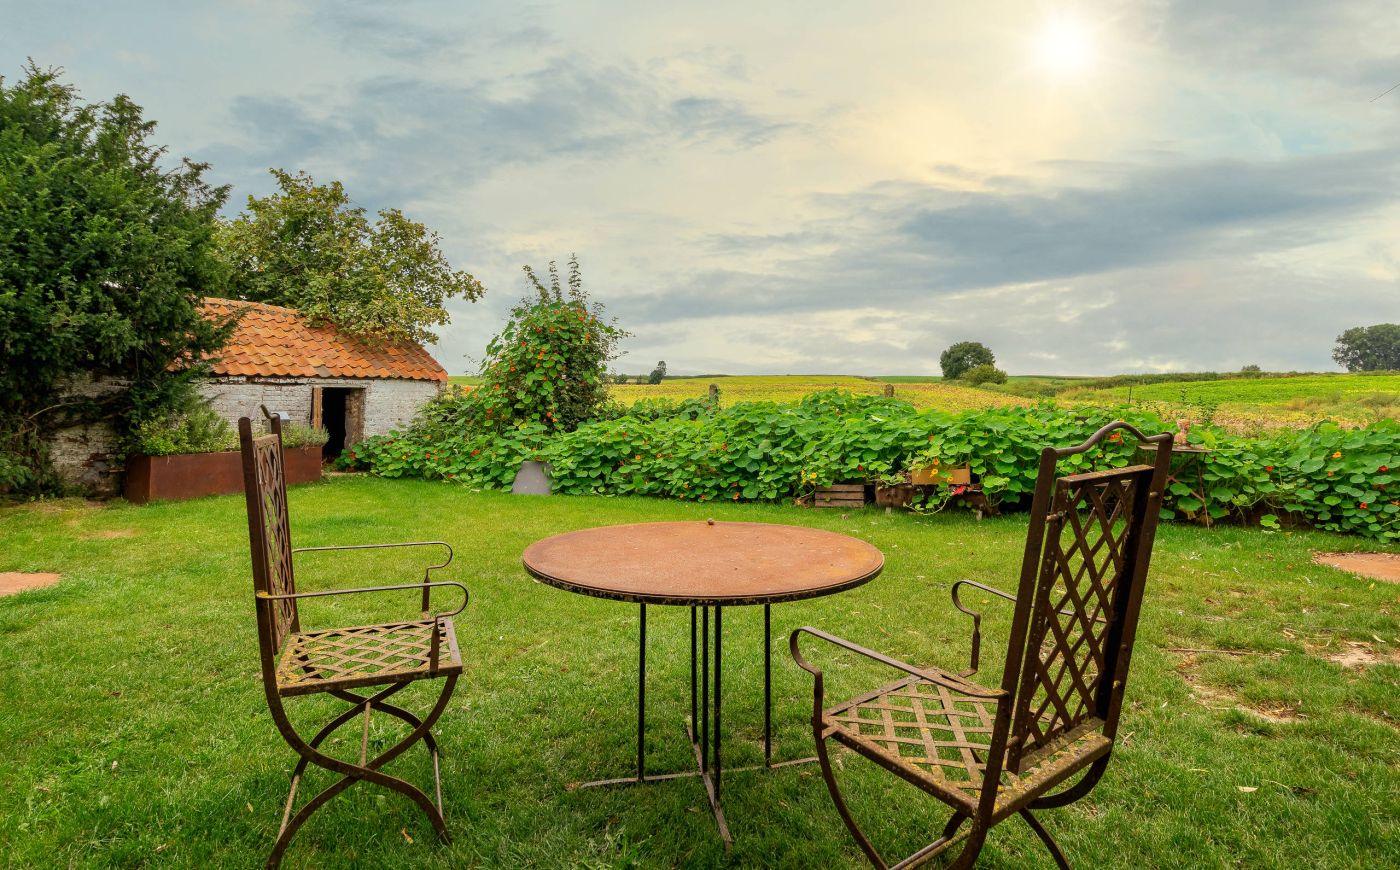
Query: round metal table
(706,566)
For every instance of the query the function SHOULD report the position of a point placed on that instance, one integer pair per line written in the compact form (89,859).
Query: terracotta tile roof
(272,341)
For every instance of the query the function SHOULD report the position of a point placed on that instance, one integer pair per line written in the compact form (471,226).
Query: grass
(135,731)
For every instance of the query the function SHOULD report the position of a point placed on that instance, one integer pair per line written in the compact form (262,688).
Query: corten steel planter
(946,475)
(194,475)
(898,495)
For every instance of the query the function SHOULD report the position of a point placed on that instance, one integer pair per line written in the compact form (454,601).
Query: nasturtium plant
(1330,477)
(549,364)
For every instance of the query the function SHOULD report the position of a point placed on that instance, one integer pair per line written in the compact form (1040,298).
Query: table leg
(719,658)
(642,697)
(767,686)
(704,725)
(693,701)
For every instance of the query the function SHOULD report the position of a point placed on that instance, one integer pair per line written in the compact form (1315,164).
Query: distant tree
(105,251)
(984,374)
(963,356)
(1369,348)
(657,373)
(1251,369)
(306,247)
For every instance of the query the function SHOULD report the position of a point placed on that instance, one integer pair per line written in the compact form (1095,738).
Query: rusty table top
(703,563)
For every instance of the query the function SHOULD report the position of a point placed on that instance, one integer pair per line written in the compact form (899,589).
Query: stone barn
(317,375)
(313,374)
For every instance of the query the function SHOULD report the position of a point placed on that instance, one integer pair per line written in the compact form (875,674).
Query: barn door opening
(343,415)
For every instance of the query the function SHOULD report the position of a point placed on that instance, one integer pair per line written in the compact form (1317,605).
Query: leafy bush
(549,364)
(198,429)
(106,245)
(298,435)
(193,429)
(984,374)
(1334,478)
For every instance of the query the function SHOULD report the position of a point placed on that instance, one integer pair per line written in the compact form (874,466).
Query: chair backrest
(269,533)
(1080,595)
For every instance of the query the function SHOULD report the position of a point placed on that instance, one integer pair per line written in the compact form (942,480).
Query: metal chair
(334,661)
(990,753)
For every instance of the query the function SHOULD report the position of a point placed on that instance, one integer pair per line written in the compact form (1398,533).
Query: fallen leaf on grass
(404,831)
(1247,788)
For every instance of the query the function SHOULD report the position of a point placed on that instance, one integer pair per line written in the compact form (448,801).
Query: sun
(1065,46)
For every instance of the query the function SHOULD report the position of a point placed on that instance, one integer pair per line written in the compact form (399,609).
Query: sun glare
(1065,46)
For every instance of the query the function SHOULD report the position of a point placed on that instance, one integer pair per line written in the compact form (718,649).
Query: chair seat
(937,738)
(365,655)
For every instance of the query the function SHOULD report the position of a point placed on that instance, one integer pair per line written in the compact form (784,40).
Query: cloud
(400,137)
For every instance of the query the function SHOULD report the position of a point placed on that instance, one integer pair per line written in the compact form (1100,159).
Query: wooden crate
(840,495)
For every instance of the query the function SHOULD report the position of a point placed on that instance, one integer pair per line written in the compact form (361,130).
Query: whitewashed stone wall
(89,458)
(390,403)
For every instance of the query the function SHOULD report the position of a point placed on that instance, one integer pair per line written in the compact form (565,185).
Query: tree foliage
(306,247)
(657,374)
(1369,348)
(105,251)
(963,356)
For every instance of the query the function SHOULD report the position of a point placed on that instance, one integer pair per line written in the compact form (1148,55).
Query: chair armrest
(294,596)
(976,618)
(427,571)
(933,675)
(383,547)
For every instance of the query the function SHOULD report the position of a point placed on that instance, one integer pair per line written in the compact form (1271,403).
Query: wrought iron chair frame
(1035,761)
(289,671)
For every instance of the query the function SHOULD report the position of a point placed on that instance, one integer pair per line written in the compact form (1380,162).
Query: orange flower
(1361,504)
(1337,455)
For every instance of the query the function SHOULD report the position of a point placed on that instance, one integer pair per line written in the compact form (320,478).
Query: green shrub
(1334,478)
(984,374)
(193,429)
(549,364)
(296,435)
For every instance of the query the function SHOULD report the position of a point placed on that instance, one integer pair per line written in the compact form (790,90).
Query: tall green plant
(105,250)
(549,364)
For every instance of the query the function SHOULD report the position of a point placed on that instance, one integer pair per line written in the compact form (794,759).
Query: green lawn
(135,732)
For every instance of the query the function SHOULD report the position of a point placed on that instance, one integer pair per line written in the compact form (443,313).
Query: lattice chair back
(269,534)
(1080,595)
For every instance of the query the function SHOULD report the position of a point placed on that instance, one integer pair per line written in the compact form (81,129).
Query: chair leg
(840,802)
(1045,838)
(369,771)
(975,838)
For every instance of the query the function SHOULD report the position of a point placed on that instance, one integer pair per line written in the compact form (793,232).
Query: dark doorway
(333,401)
(342,411)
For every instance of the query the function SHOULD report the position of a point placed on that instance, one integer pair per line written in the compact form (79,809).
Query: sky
(834,188)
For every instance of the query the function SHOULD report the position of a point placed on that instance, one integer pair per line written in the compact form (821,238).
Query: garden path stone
(1378,566)
(13,582)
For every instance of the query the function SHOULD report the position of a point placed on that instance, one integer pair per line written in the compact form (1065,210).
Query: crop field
(1238,404)
(791,388)
(1246,402)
